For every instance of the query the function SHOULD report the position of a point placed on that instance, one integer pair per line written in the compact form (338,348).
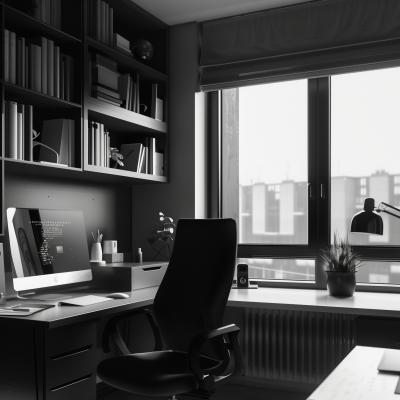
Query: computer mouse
(118,296)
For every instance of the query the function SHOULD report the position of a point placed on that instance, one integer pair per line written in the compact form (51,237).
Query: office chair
(188,309)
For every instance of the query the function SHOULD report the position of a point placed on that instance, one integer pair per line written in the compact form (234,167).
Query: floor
(226,392)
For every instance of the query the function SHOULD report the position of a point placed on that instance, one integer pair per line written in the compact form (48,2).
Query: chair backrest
(193,294)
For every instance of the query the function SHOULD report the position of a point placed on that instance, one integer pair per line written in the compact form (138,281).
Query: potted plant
(116,158)
(341,266)
(161,235)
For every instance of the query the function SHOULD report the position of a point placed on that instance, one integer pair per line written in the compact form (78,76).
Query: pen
(16,310)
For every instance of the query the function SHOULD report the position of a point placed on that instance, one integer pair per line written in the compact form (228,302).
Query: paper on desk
(32,310)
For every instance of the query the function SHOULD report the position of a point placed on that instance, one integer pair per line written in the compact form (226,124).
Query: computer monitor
(48,248)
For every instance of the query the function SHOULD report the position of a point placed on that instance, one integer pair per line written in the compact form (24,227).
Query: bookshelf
(77,41)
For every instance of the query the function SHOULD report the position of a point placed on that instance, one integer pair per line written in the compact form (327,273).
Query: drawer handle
(85,378)
(151,268)
(71,353)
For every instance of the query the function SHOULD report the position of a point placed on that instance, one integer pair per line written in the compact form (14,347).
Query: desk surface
(362,303)
(66,315)
(357,377)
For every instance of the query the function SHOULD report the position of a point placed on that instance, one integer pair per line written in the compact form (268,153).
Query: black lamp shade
(368,220)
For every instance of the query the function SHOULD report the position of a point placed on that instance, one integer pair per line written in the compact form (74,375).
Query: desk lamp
(370,222)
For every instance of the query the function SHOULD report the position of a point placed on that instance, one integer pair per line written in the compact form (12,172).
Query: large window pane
(273,163)
(365,150)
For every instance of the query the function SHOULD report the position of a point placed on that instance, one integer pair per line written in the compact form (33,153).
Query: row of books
(101,26)
(39,65)
(143,157)
(98,145)
(121,90)
(18,131)
(47,11)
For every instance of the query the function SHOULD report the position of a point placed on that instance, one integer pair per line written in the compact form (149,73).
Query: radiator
(297,346)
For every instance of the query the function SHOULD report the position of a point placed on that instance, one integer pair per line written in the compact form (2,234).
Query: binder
(6,55)
(97,144)
(13,56)
(11,130)
(42,43)
(57,72)
(71,143)
(28,138)
(35,67)
(50,67)
(21,132)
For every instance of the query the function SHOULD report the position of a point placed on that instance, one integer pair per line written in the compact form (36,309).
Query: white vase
(96,254)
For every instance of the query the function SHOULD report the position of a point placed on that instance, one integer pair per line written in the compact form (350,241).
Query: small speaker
(242,276)
(2,277)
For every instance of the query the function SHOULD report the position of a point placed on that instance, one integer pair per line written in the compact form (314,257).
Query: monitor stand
(44,297)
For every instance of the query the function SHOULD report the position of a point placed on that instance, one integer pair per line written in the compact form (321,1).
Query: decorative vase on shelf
(143,49)
(342,264)
(96,253)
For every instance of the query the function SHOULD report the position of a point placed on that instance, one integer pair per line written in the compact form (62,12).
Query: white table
(357,378)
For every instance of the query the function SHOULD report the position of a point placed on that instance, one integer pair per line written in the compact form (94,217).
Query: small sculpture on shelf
(116,158)
(143,49)
(161,236)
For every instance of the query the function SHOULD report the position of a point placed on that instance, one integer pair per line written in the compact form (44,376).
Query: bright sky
(365,127)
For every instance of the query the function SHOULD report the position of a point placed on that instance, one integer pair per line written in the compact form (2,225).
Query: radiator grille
(296,346)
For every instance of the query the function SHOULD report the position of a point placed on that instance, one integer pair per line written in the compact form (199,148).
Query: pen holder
(96,253)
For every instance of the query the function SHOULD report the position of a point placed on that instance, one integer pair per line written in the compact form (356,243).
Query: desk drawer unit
(70,363)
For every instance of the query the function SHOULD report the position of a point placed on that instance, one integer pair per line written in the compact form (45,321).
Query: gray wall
(175,199)
(105,207)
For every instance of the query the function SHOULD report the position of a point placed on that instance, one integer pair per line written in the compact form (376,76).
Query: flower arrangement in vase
(342,264)
(115,157)
(161,236)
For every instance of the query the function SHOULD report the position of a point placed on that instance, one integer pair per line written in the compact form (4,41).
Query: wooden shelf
(121,120)
(41,102)
(126,63)
(35,168)
(121,176)
(27,26)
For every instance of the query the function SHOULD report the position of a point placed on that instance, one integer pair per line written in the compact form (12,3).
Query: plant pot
(341,283)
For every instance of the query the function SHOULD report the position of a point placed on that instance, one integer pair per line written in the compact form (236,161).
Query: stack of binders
(105,80)
(39,65)
(18,131)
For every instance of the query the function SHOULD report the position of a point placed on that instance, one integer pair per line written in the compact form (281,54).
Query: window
(304,154)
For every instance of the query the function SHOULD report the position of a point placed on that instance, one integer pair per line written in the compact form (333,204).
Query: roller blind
(310,39)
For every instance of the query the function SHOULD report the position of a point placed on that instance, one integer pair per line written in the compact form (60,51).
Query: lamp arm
(383,207)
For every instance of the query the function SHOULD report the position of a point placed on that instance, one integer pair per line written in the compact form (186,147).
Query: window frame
(319,202)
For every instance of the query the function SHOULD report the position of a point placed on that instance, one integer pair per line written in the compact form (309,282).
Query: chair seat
(158,373)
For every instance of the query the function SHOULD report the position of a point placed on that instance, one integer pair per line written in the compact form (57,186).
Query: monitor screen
(48,247)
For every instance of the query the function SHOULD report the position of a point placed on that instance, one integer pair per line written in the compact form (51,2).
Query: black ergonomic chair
(188,308)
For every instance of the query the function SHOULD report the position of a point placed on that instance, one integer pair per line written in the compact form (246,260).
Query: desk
(52,354)
(357,377)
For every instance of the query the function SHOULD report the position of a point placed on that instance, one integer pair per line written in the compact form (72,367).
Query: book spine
(134,98)
(35,67)
(57,72)
(44,65)
(52,14)
(154,101)
(57,14)
(137,94)
(101,145)
(12,133)
(106,21)
(19,62)
(28,122)
(13,56)
(27,67)
(6,55)
(108,149)
(67,83)
(42,10)
(23,63)
(147,143)
(71,144)
(62,76)
(111,26)
(92,147)
(48,12)
(103,21)
(21,135)
(98,20)
(152,150)
(97,144)
(50,67)
(36,10)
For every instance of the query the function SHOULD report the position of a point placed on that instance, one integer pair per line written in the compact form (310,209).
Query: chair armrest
(111,329)
(210,381)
